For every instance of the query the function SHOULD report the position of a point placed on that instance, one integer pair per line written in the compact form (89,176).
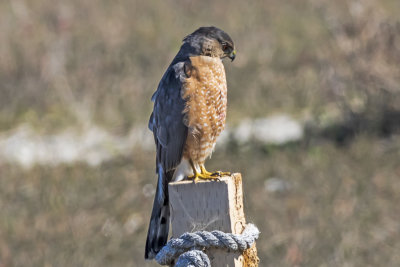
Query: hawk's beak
(232,55)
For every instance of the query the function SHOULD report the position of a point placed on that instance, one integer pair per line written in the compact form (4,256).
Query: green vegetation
(332,64)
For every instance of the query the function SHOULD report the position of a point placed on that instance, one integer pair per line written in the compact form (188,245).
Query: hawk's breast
(205,92)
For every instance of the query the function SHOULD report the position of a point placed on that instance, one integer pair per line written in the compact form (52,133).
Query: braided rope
(193,258)
(189,247)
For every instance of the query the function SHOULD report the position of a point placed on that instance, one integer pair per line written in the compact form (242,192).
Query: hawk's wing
(166,121)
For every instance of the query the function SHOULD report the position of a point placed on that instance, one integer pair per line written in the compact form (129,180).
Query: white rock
(94,146)
(278,130)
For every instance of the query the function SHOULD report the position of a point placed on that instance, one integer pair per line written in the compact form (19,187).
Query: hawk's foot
(200,176)
(205,172)
(213,174)
(203,175)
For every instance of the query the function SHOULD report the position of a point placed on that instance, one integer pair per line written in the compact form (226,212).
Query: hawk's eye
(225,47)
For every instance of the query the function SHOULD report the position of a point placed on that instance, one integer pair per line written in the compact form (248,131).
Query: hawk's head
(211,41)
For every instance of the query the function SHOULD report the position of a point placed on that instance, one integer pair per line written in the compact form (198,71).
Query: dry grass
(340,209)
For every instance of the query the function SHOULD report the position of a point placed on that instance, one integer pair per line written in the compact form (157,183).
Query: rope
(189,247)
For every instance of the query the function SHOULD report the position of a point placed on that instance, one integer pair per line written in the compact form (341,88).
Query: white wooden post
(212,205)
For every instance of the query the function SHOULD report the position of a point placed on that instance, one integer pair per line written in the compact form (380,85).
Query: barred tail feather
(157,234)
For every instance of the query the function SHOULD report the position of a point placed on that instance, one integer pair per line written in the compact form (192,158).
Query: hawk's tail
(157,234)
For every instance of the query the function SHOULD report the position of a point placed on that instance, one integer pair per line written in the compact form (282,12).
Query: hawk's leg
(204,171)
(202,175)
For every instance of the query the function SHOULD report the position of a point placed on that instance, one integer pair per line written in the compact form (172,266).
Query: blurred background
(313,126)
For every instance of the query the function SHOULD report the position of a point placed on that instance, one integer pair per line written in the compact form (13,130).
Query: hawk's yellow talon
(214,174)
(204,171)
(220,174)
(199,176)
(204,174)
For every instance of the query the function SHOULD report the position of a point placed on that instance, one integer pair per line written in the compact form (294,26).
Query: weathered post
(212,205)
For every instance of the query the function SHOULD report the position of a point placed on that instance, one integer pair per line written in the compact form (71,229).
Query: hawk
(188,115)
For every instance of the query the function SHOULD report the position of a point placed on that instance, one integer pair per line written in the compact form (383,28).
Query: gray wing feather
(166,121)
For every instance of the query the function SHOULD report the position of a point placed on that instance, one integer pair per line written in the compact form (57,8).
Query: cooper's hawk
(189,114)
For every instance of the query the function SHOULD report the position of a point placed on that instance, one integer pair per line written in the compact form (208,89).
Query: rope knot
(189,247)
